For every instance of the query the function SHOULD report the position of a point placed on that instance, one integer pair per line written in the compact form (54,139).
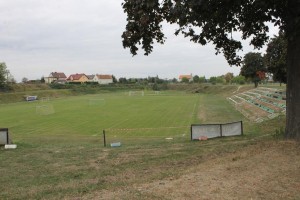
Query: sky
(38,37)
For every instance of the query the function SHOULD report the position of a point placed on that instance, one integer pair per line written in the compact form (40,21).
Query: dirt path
(269,170)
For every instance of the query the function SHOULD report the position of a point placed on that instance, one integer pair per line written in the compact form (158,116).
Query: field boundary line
(158,128)
(121,122)
(194,117)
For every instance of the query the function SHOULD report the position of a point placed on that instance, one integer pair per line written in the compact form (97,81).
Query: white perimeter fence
(4,138)
(216,130)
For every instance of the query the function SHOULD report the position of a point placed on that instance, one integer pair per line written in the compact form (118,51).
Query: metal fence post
(104,138)
(192,132)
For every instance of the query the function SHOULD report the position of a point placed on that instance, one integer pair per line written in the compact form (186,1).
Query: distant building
(82,78)
(104,79)
(58,77)
(189,77)
(100,79)
(92,78)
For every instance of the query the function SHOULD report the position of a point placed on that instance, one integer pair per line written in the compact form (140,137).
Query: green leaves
(276,57)
(202,21)
(143,25)
(252,66)
(3,75)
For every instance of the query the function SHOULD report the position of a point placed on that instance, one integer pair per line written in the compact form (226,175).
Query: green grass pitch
(168,114)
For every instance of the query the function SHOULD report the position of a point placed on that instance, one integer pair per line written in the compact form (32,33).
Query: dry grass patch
(266,170)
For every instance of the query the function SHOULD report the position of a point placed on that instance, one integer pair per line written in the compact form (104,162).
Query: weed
(279,133)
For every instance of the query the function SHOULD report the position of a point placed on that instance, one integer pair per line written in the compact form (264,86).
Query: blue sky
(38,37)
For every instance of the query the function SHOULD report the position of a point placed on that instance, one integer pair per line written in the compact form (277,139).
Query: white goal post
(46,109)
(216,130)
(44,99)
(136,93)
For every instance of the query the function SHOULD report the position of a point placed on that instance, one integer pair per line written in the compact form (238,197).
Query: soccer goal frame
(216,130)
(45,99)
(46,109)
(136,93)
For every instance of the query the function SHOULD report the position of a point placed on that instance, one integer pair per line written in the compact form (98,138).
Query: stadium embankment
(13,97)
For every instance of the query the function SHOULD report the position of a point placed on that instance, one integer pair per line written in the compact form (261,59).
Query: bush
(239,80)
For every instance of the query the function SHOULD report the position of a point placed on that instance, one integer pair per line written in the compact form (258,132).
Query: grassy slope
(75,164)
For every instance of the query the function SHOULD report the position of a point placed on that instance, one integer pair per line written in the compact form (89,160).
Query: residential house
(82,78)
(104,79)
(58,77)
(189,77)
(92,78)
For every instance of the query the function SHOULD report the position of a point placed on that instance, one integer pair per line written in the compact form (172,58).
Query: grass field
(168,114)
(60,152)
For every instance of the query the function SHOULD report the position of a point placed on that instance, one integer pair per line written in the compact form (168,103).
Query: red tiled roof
(106,76)
(185,76)
(75,76)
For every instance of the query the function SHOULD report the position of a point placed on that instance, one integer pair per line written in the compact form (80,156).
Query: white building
(101,79)
(59,77)
(104,79)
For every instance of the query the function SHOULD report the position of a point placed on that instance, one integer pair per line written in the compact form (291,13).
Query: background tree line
(255,66)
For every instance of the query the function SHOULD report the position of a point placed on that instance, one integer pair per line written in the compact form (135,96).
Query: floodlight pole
(104,138)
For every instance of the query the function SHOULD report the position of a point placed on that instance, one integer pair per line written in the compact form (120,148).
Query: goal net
(44,109)
(45,99)
(216,130)
(136,93)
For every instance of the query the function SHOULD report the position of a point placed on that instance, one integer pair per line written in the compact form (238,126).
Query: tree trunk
(293,71)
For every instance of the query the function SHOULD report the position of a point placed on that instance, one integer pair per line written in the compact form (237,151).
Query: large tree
(228,77)
(213,21)
(275,58)
(196,79)
(253,66)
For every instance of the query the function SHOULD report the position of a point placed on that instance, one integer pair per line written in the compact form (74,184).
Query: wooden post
(104,138)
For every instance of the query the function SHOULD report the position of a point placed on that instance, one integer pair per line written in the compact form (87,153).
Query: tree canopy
(3,75)
(185,80)
(213,21)
(253,66)
(196,79)
(275,57)
(216,19)
(228,77)
(239,80)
